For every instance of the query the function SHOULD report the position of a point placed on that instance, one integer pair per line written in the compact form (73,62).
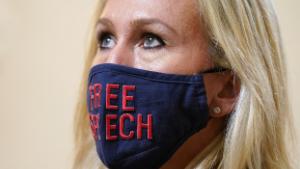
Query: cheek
(178,59)
(99,58)
(150,56)
(190,59)
(154,59)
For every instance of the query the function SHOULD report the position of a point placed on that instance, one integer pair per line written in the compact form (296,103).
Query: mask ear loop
(216,70)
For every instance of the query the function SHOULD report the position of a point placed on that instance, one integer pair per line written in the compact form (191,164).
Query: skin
(166,36)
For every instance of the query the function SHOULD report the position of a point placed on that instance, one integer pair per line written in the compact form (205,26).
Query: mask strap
(216,70)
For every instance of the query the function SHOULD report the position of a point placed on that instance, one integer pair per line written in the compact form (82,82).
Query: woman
(183,84)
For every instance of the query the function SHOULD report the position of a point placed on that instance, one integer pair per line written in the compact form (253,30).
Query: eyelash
(152,35)
(100,38)
(102,35)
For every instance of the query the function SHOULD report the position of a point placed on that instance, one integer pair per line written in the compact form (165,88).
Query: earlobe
(217,112)
(224,101)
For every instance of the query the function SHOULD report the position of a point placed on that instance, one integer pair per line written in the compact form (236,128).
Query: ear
(224,100)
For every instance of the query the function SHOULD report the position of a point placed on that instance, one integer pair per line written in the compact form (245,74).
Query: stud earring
(217,110)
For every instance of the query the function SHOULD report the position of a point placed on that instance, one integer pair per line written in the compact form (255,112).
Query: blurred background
(41,57)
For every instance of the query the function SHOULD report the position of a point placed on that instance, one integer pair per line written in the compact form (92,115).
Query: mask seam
(199,78)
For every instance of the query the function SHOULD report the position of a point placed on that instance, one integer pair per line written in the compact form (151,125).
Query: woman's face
(165,36)
(157,35)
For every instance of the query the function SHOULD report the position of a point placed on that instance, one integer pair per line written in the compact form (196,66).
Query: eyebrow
(137,22)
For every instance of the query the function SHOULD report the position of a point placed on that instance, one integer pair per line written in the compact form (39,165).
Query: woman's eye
(152,41)
(106,41)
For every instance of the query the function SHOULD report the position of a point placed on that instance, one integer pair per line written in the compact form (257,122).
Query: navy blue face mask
(139,118)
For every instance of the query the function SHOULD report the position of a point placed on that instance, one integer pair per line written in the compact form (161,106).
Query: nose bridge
(121,54)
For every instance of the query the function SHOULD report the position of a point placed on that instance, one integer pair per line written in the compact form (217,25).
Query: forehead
(173,12)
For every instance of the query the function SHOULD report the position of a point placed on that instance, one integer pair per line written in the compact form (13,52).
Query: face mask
(139,118)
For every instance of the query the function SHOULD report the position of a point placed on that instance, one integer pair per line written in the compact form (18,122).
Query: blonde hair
(246,36)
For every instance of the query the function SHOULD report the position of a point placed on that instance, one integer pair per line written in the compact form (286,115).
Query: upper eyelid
(138,23)
(104,26)
(101,33)
(145,26)
(151,25)
(156,36)
(163,43)
(138,33)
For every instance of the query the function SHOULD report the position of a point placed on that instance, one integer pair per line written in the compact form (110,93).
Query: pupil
(107,41)
(150,40)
